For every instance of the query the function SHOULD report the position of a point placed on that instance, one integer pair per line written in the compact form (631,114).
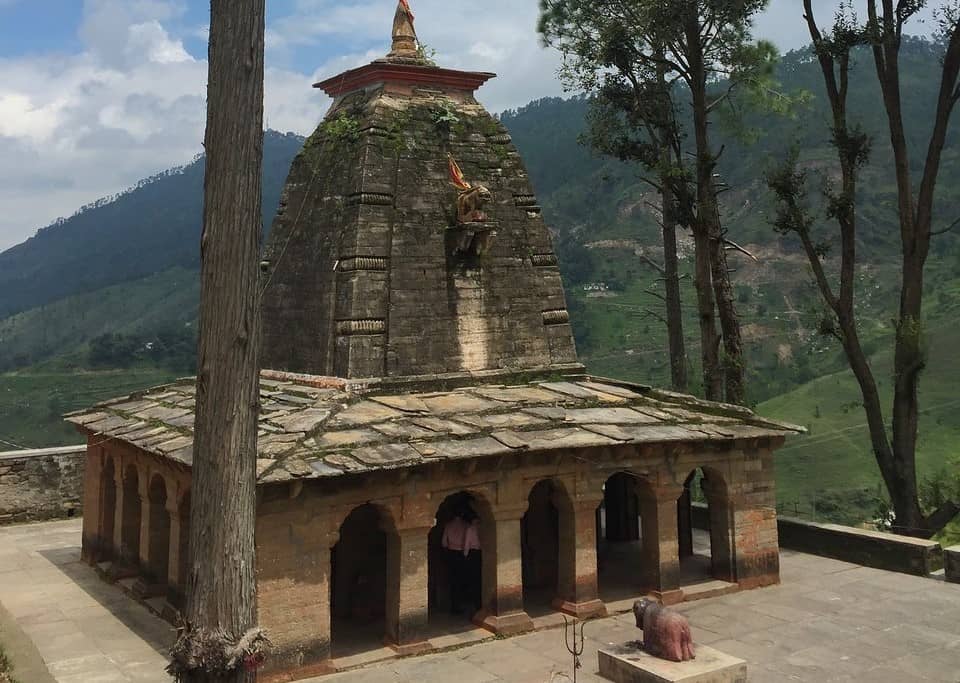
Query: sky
(97,94)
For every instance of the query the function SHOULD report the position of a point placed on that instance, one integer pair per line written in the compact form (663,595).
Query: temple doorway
(358,580)
(540,549)
(455,578)
(620,551)
(704,529)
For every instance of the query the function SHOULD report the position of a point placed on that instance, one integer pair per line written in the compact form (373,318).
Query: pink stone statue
(666,634)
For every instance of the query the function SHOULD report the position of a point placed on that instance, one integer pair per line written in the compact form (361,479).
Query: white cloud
(131,103)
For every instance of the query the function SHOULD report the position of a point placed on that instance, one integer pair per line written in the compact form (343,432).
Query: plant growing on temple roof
(631,58)
(894,448)
(342,127)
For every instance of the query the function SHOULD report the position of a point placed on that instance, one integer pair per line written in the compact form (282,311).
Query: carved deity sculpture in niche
(471,198)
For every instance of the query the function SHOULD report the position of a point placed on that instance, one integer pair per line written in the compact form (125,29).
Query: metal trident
(573,642)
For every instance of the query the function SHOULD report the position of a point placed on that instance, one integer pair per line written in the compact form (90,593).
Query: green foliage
(445,119)
(342,128)
(426,54)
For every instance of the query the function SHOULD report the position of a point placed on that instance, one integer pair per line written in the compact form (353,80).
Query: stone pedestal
(629,664)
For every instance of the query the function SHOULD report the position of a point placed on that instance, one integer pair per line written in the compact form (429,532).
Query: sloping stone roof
(313,427)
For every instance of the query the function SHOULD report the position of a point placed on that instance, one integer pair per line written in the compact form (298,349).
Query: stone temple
(420,358)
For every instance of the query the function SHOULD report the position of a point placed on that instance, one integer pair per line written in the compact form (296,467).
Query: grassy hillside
(32,402)
(831,473)
(65,327)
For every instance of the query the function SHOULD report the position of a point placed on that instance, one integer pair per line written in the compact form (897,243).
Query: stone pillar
(720,507)
(124,561)
(146,510)
(407,589)
(577,573)
(92,544)
(502,610)
(293,589)
(685,520)
(661,551)
(753,510)
(175,583)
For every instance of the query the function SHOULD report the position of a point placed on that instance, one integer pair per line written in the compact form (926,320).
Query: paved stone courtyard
(828,621)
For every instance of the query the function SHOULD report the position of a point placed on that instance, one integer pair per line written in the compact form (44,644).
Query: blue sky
(97,94)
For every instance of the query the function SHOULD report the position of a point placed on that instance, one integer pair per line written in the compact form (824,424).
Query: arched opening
(620,551)
(455,576)
(358,582)
(540,549)
(108,510)
(130,522)
(158,550)
(704,528)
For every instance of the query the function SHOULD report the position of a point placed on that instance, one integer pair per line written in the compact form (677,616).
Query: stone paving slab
(828,621)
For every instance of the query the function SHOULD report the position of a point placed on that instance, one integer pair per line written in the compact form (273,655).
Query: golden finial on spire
(404,35)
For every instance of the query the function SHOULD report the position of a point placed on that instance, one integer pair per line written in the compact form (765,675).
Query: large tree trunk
(896,456)
(221,594)
(733,364)
(708,218)
(706,307)
(671,276)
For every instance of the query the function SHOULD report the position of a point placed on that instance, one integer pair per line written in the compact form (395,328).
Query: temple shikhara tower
(420,367)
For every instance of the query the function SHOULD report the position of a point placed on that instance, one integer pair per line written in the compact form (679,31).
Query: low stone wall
(951,564)
(861,546)
(41,484)
(858,546)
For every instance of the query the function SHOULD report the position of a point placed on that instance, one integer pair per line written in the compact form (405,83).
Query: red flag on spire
(456,175)
(406,7)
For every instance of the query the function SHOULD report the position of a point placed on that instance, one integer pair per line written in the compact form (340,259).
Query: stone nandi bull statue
(666,634)
(472,198)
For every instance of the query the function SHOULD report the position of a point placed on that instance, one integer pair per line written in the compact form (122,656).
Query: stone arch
(548,544)
(130,516)
(158,533)
(459,585)
(622,562)
(359,575)
(712,555)
(108,509)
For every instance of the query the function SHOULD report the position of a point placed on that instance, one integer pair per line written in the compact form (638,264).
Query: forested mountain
(147,229)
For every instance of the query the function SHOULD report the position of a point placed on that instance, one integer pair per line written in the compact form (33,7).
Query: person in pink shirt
(461,544)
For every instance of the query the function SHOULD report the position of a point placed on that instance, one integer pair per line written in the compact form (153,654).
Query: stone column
(502,610)
(685,520)
(293,590)
(118,511)
(92,544)
(407,589)
(721,507)
(143,486)
(661,550)
(577,573)
(175,583)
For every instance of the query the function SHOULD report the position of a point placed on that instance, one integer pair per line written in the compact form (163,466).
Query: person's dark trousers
(456,571)
(473,574)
